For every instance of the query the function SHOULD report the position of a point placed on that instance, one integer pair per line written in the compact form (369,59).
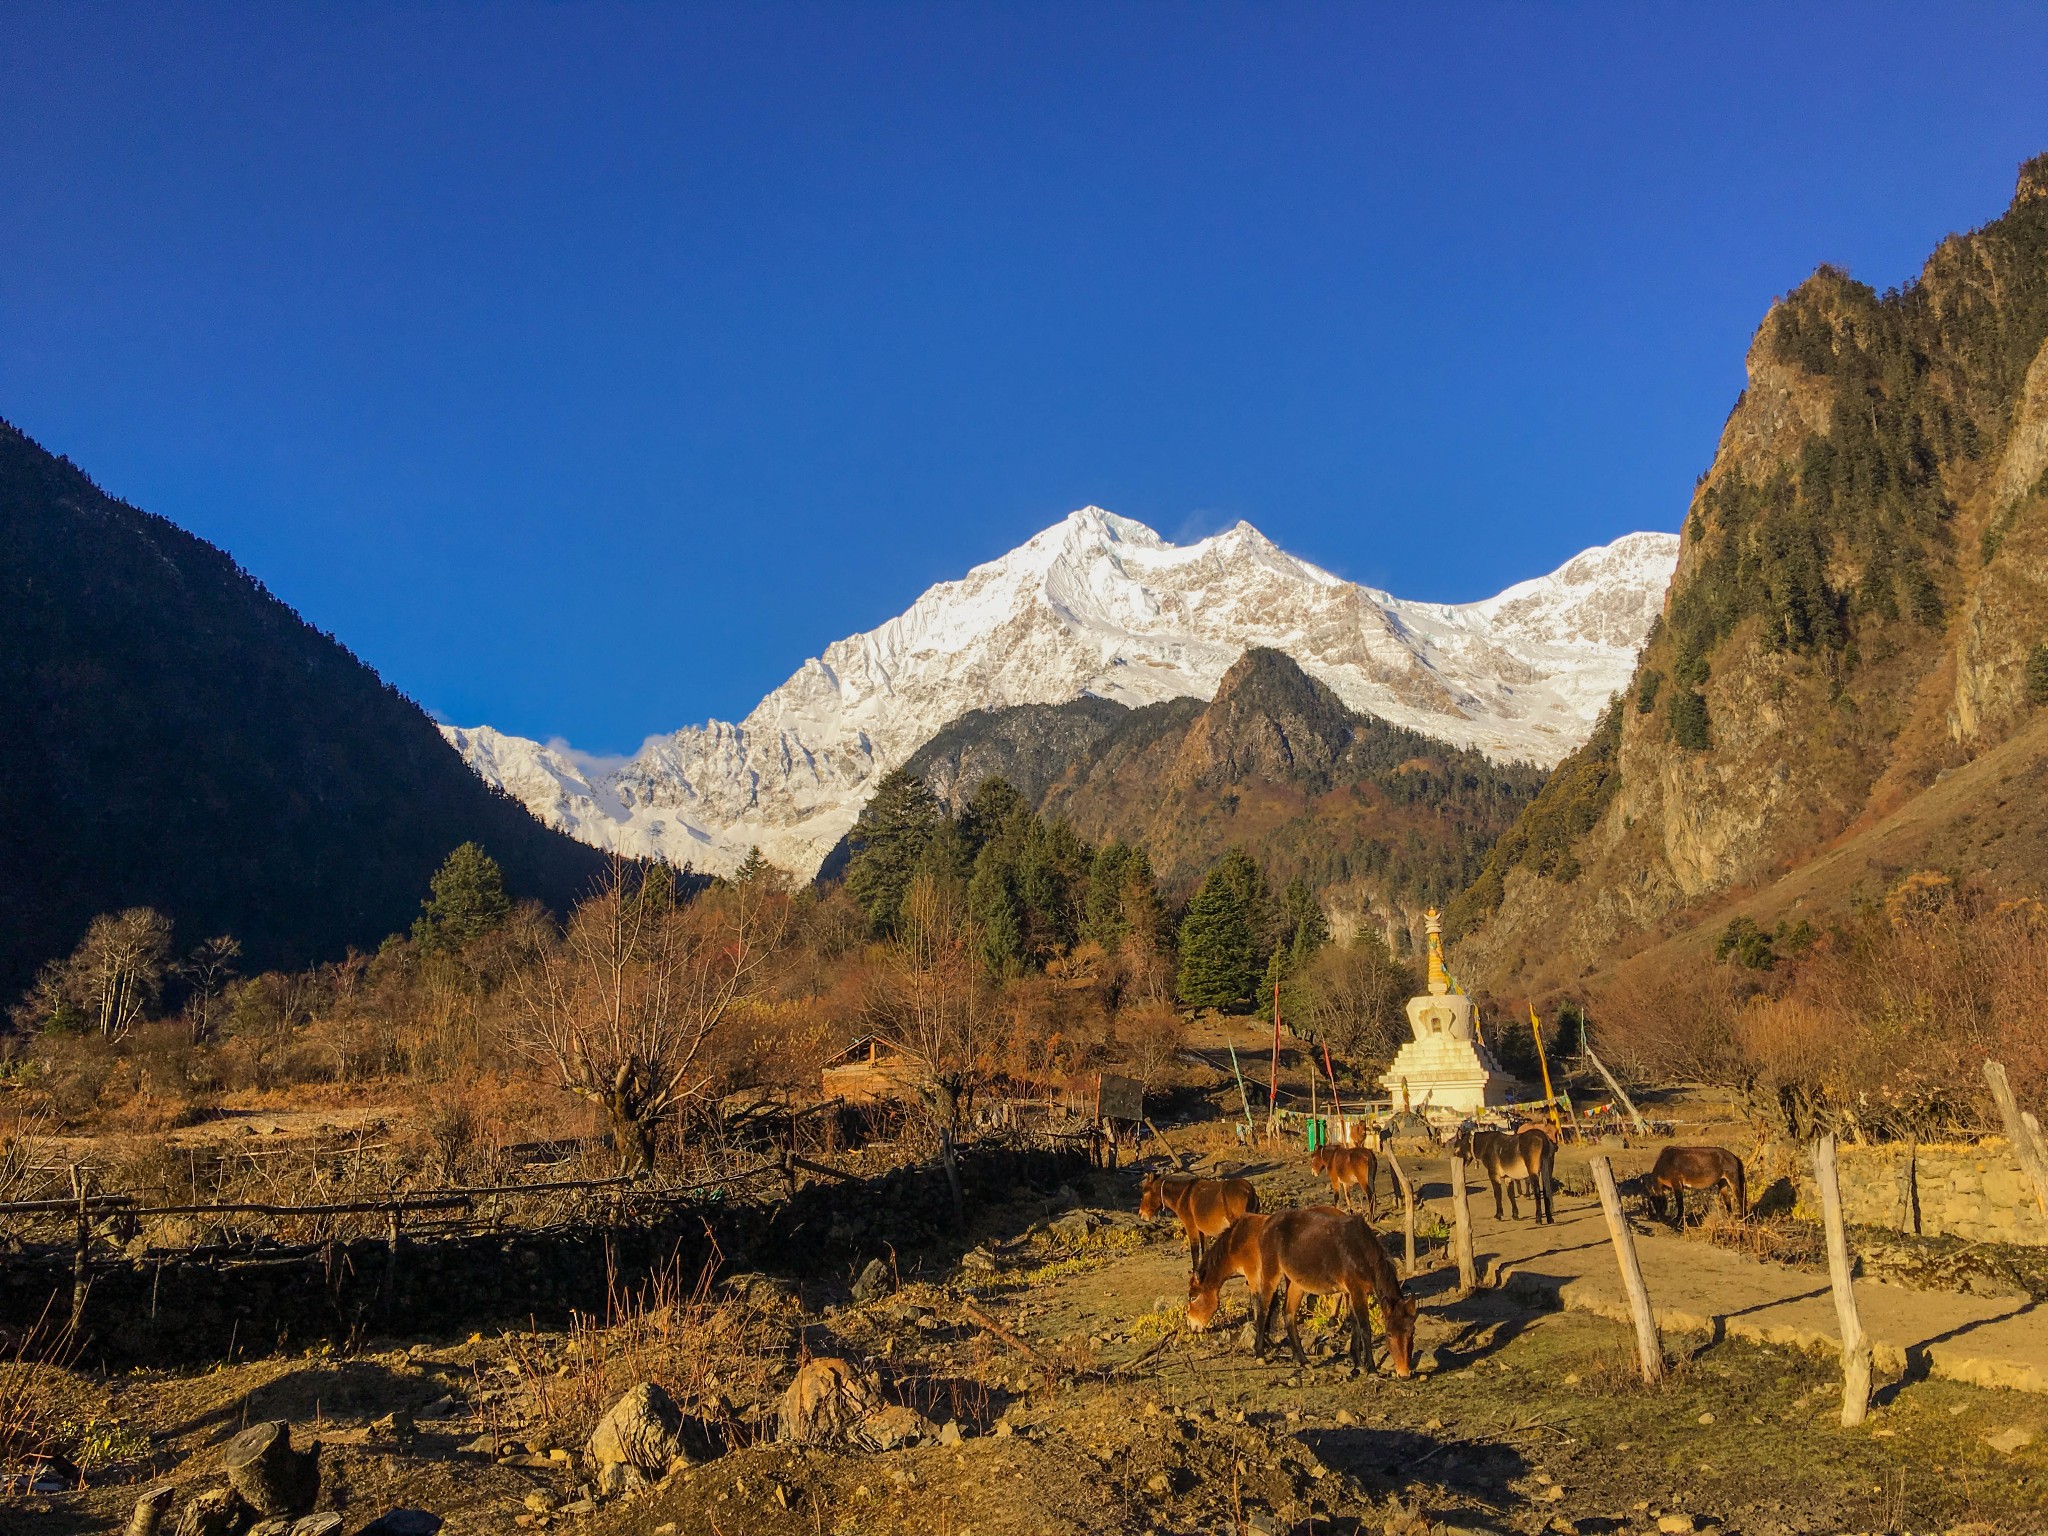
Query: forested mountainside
(1380,820)
(176,737)
(1860,610)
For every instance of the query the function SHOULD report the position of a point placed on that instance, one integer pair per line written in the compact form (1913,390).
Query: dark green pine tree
(992,906)
(753,867)
(1308,930)
(1273,983)
(891,836)
(1219,943)
(1103,918)
(465,901)
(996,812)
(2037,674)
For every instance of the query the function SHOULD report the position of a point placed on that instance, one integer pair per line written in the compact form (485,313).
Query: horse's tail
(1741,1192)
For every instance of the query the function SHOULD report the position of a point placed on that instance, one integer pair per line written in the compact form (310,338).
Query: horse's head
(1151,1199)
(1319,1160)
(1458,1139)
(1398,1319)
(1202,1300)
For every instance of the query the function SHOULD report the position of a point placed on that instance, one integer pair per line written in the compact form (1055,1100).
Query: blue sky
(586,367)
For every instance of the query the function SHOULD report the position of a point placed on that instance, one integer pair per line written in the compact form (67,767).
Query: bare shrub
(718,1357)
(1879,1029)
(1351,996)
(621,1007)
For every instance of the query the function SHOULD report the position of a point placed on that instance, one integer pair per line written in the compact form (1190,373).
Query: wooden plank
(1635,1116)
(2031,1159)
(1407,1211)
(1461,1237)
(1649,1343)
(1855,1343)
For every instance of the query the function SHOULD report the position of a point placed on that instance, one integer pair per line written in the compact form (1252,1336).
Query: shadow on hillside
(1394,1459)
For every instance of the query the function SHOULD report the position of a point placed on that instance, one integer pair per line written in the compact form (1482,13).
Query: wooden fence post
(1855,1344)
(1635,1115)
(1649,1343)
(2018,1133)
(1407,1210)
(1461,1237)
(81,1250)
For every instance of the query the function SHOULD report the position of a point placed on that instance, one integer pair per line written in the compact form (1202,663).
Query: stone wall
(1974,1191)
(164,1309)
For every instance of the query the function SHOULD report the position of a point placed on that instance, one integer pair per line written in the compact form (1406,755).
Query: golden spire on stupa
(1439,978)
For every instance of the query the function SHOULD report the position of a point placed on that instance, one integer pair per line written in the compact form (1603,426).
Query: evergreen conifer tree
(992,906)
(465,901)
(1219,938)
(890,838)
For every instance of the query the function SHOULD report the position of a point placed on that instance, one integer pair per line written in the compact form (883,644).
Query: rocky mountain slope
(176,737)
(1860,611)
(1383,820)
(1099,606)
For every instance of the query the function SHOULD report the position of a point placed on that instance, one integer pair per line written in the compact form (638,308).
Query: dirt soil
(1107,1415)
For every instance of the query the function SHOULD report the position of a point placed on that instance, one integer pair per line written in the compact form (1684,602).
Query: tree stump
(150,1510)
(271,1477)
(217,1512)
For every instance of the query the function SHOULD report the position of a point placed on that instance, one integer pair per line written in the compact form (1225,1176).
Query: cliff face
(1863,579)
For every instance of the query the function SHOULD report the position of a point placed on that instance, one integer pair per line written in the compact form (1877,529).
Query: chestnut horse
(1318,1251)
(1347,1168)
(1206,1207)
(1511,1155)
(1711,1168)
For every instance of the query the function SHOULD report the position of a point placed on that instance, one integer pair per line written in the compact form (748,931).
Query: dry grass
(718,1357)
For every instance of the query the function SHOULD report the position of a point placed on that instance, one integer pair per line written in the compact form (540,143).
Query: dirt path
(1697,1288)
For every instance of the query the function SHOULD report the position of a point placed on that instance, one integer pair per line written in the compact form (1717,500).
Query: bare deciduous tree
(105,984)
(207,972)
(927,998)
(620,1006)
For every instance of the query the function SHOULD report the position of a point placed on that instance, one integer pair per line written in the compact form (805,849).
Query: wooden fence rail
(128,1205)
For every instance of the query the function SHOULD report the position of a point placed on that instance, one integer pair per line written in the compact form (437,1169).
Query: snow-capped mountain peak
(1099,604)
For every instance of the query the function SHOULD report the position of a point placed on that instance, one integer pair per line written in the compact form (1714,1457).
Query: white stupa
(1445,1068)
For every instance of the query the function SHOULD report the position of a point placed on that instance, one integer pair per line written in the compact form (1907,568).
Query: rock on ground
(643,1430)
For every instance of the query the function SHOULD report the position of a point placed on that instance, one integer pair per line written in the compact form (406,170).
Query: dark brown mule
(1511,1155)
(1681,1168)
(1235,1252)
(1349,1168)
(1206,1207)
(1320,1251)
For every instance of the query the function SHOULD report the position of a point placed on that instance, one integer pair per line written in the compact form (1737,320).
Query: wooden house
(872,1069)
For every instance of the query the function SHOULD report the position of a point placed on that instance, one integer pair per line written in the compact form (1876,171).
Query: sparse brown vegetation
(1878,1029)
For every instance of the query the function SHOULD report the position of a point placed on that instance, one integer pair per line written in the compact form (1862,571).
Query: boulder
(873,1283)
(894,1426)
(643,1430)
(828,1400)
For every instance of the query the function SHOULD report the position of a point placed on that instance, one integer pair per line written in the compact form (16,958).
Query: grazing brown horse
(1511,1155)
(1206,1207)
(1347,1168)
(1319,1251)
(1711,1168)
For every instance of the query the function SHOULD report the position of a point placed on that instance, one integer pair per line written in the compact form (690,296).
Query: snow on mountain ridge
(1099,604)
